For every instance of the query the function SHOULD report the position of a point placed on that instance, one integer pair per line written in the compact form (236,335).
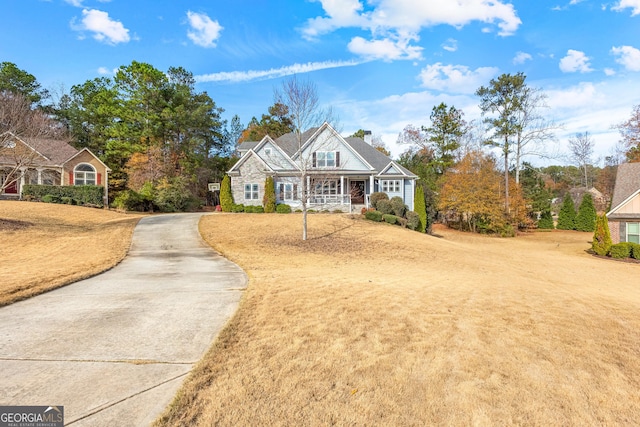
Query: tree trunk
(506,174)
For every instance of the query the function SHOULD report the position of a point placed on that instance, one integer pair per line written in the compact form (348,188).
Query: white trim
(268,139)
(624,202)
(389,166)
(244,159)
(88,151)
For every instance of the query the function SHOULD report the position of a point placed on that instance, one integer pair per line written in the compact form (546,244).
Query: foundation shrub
(385,207)
(373,216)
(620,250)
(283,208)
(635,250)
(390,219)
(413,220)
(398,206)
(377,196)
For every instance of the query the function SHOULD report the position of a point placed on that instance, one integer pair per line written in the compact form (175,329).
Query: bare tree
(581,147)
(533,129)
(18,119)
(301,99)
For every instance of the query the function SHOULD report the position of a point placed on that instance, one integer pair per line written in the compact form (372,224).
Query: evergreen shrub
(226,198)
(620,250)
(413,220)
(420,206)
(283,208)
(398,206)
(385,207)
(90,195)
(373,216)
(375,197)
(586,218)
(269,198)
(390,219)
(567,214)
(546,221)
(237,208)
(601,242)
(635,250)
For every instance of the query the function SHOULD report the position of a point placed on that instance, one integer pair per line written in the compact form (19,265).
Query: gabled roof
(290,144)
(246,157)
(52,152)
(627,185)
(85,149)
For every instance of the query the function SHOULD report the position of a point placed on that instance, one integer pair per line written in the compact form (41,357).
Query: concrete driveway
(114,349)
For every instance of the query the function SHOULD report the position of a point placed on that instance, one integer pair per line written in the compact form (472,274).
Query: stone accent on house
(614,230)
(251,172)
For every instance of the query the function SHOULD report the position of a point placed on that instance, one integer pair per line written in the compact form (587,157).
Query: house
(48,162)
(624,216)
(340,173)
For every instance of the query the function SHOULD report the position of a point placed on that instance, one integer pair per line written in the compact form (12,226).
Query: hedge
(620,250)
(390,219)
(373,216)
(91,195)
(282,208)
(635,250)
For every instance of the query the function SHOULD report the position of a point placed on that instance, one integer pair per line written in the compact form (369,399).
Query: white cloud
(609,72)
(575,61)
(455,78)
(394,24)
(631,4)
(103,71)
(521,58)
(451,45)
(204,31)
(243,76)
(76,3)
(104,28)
(628,56)
(385,49)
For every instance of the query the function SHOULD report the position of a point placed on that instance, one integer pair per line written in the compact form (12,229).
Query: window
(633,232)
(390,186)
(327,187)
(326,159)
(251,191)
(84,174)
(288,192)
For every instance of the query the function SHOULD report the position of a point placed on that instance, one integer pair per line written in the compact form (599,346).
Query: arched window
(84,174)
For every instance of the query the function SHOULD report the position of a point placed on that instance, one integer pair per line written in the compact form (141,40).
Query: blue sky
(381,64)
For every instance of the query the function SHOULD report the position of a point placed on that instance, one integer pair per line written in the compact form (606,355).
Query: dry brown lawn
(45,246)
(370,324)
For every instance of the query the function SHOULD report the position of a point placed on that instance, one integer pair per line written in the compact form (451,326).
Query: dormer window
(326,159)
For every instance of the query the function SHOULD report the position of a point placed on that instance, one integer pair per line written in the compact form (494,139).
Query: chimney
(367,136)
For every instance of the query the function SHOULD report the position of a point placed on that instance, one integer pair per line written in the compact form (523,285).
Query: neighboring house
(341,172)
(48,162)
(624,217)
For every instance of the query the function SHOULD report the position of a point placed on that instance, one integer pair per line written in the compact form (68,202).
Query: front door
(11,188)
(357,192)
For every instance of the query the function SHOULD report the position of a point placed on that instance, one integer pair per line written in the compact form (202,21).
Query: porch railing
(330,199)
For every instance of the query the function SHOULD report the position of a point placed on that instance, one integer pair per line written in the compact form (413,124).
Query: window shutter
(623,231)
(295,191)
(337,159)
(314,159)
(281,195)
(99,179)
(70,177)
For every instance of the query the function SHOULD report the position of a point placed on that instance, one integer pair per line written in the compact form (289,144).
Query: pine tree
(586,219)
(546,221)
(269,199)
(601,236)
(420,207)
(226,198)
(567,214)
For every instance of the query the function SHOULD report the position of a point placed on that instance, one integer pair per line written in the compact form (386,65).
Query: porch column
(308,195)
(342,189)
(39,170)
(372,189)
(23,171)
(413,194)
